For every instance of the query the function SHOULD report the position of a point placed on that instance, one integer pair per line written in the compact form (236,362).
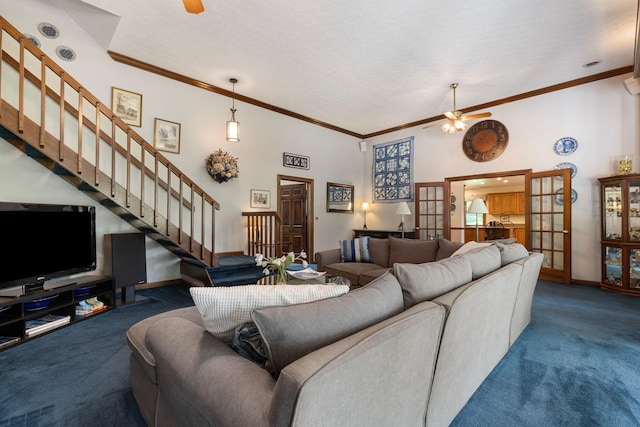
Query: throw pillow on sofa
(355,250)
(484,260)
(422,282)
(291,332)
(412,251)
(446,248)
(223,308)
(512,252)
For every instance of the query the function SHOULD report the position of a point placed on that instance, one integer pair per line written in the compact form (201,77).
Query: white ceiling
(369,65)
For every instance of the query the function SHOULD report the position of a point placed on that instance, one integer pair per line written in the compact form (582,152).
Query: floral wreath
(222,166)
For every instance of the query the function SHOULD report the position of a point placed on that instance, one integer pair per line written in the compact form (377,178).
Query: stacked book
(45,323)
(90,306)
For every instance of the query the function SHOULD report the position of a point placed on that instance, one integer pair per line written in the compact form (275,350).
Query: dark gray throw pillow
(293,331)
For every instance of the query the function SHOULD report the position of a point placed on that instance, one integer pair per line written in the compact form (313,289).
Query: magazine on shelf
(45,323)
(5,341)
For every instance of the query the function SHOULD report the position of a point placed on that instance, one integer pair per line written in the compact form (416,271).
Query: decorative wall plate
(565,146)
(66,53)
(33,39)
(50,31)
(560,198)
(568,165)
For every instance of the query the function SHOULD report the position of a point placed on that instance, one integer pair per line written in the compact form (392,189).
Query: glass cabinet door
(634,273)
(634,210)
(612,214)
(613,265)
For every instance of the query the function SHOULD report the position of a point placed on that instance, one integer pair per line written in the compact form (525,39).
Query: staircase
(48,115)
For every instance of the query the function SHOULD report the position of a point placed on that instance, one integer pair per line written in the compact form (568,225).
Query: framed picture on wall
(166,135)
(127,106)
(261,199)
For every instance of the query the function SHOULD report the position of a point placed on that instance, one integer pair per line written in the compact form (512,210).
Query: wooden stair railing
(50,116)
(263,233)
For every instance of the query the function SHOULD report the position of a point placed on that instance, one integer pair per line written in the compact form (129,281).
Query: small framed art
(166,135)
(127,105)
(295,161)
(261,199)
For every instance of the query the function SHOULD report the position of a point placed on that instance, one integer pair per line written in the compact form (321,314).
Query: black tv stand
(34,287)
(62,300)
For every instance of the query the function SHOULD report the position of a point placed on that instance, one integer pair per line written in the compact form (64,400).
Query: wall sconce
(365,208)
(232,125)
(403,209)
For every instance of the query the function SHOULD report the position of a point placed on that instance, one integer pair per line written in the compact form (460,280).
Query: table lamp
(365,208)
(403,209)
(477,206)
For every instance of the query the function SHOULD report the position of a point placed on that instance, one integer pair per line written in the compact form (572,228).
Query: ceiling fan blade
(476,116)
(193,6)
(435,124)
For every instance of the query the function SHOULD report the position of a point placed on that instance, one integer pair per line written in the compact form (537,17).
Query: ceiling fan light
(460,125)
(193,6)
(446,127)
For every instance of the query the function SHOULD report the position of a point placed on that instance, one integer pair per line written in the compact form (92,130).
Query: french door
(547,216)
(550,222)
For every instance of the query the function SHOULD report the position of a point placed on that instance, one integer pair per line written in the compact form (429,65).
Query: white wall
(264,136)
(602,116)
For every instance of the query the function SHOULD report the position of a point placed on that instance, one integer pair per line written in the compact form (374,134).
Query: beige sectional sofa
(383,254)
(409,349)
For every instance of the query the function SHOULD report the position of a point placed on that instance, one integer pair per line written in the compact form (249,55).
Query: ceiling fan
(193,6)
(455,119)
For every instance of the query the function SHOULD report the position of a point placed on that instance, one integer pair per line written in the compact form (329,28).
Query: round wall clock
(485,140)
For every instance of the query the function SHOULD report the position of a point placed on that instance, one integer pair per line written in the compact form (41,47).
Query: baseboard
(585,282)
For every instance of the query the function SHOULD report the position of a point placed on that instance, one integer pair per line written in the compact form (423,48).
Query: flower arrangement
(280,264)
(222,166)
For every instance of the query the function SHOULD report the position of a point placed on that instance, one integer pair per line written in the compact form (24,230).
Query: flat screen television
(45,241)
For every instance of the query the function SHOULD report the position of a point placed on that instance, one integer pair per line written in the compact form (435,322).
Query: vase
(282,276)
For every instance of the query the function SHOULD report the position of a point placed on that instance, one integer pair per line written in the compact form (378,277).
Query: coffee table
(327,278)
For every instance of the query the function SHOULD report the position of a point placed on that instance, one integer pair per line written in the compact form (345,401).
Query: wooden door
(432,213)
(293,213)
(550,221)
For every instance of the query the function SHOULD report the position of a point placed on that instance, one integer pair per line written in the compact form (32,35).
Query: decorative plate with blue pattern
(560,197)
(568,165)
(565,146)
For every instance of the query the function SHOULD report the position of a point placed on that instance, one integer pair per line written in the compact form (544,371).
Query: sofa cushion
(483,260)
(511,252)
(422,282)
(291,332)
(223,308)
(446,248)
(355,250)
(412,251)
(351,270)
(469,246)
(371,275)
(379,250)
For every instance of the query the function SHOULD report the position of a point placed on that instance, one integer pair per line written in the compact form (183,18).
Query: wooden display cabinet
(620,233)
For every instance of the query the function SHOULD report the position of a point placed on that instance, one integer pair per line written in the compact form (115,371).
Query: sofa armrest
(328,384)
(324,258)
(202,381)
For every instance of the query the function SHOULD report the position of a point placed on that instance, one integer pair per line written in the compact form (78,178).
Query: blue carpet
(79,375)
(577,364)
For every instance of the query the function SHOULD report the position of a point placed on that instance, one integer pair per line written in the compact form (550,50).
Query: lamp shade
(477,207)
(232,130)
(403,209)
(365,206)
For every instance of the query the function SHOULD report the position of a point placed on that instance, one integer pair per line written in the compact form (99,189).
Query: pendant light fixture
(232,125)
(193,6)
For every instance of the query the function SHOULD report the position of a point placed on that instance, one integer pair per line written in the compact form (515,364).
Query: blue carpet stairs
(232,270)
